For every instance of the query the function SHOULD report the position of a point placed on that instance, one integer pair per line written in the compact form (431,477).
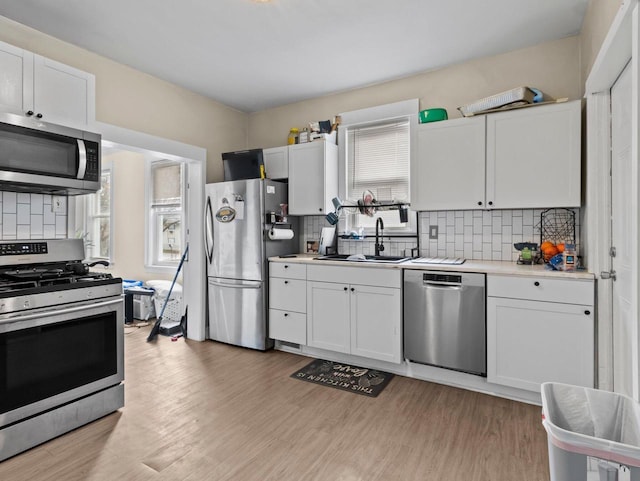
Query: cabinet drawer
(366,276)
(568,291)
(288,326)
(288,270)
(288,294)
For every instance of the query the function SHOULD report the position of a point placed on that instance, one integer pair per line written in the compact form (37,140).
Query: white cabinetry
(276,162)
(533,157)
(288,302)
(33,85)
(539,330)
(449,174)
(518,159)
(313,177)
(355,311)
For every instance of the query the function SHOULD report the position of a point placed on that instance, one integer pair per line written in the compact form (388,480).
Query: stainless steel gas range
(61,342)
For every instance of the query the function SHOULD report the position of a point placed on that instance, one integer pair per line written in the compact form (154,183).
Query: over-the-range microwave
(37,156)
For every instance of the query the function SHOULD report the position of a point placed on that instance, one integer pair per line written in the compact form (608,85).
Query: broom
(156,327)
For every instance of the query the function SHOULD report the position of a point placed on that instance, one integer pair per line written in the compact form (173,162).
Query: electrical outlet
(58,204)
(433,232)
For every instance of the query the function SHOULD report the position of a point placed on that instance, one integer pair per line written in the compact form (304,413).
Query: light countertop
(488,267)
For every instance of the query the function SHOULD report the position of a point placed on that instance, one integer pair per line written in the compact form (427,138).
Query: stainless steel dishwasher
(445,320)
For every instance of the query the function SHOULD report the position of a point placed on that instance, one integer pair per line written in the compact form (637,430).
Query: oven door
(53,356)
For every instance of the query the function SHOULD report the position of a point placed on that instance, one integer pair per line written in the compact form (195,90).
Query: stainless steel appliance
(445,320)
(37,156)
(239,216)
(61,342)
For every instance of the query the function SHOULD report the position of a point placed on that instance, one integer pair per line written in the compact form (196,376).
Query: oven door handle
(60,312)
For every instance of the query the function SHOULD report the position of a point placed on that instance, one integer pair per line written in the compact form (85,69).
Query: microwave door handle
(82,158)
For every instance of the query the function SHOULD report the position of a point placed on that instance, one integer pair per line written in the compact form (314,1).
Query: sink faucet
(379,231)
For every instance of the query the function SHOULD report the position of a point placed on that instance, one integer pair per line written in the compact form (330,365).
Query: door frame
(621,45)
(193,272)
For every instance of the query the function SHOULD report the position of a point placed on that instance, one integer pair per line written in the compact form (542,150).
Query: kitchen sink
(363,258)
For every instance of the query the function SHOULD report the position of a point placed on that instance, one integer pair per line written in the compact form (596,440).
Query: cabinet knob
(39,115)
(479,202)
(490,202)
(286,266)
(346,288)
(353,289)
(536,283)
(286,282)
(587,313)
(30,113)
(320,209)
(286,314)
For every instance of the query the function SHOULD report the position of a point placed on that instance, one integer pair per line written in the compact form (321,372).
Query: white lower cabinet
(288,302)
(531,341)
(360,319)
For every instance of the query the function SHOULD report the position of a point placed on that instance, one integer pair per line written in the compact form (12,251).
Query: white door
(623,214)
(16,79)
(306,179)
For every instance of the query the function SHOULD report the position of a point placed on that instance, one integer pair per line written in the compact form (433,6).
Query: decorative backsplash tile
(472,234)
(31,216)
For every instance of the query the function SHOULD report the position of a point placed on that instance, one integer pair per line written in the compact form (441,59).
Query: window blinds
(378,160)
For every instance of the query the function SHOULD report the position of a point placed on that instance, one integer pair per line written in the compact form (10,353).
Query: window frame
(152,261)
(85,217)
(406,110)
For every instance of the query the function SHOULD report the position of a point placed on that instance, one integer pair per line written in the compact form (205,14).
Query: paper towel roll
(280,234)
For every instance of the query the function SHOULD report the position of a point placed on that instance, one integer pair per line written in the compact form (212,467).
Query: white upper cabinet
(36,86)
(313,177)
(449,174)
(517,159)
(16,79)
(276,162)
(533,157)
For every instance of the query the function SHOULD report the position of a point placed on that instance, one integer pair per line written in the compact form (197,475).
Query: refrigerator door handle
(208,230)
(239,285)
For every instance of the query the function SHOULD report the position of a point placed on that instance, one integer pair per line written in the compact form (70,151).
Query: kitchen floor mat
(360,380)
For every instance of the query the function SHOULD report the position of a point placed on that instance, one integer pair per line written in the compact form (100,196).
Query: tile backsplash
(31,216)
(472,234)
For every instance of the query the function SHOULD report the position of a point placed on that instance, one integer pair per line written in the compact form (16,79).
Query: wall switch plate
(433,232)
(58,204)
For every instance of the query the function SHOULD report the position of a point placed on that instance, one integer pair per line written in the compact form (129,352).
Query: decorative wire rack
(558,226)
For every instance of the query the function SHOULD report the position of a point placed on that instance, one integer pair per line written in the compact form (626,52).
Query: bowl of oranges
(549,249)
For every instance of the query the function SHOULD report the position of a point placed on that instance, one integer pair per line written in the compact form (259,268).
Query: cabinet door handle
(39,115)
(29,113)
(490,202)
(353,289)
(320,209)
(479,202)
(587,313)
(346,288)
(286,314)
(286,282)
(286,266)
(536,283)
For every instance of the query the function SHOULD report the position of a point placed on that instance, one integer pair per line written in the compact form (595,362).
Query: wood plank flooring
(207,411)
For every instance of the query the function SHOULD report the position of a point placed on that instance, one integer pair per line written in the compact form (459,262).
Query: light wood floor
(207,411)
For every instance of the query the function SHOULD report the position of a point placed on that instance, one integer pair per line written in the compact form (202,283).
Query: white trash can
(583,423)
(173,311)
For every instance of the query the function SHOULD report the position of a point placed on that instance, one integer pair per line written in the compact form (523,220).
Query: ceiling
(253,56)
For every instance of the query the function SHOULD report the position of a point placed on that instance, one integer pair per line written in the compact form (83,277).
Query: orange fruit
(545,245)
(549,252)
(560,248)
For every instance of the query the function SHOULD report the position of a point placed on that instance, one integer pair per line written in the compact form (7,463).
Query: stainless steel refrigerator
(238,218)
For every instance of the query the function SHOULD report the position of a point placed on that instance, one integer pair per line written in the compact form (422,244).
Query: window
(376,145)
(98,222)
(165,212)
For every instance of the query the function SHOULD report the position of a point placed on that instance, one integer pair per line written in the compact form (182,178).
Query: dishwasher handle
(443,285)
